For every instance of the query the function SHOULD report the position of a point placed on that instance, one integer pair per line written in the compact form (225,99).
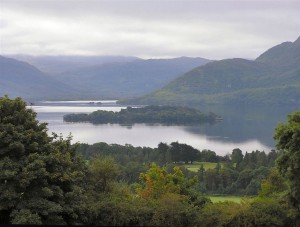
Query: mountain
(19,78)
(283,56)
(284,59)
(274,77)
(88,77)
(59,64)
(128,79)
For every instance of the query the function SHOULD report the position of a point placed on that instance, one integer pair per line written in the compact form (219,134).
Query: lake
(247,128)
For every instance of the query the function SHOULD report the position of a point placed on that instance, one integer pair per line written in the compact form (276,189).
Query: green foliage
(25,216)
(147,114)
(263,212)
(157,182)
(174,210)
(44,181)
(288,142)
(254,212)
(226,178)
(274,185)
(102,172)
(219,214)
(237,157)
(41,176)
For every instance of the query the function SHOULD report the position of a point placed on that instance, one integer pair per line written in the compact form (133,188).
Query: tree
(262,212)
(237,157)
(201,173)
(273,185)
(288,142)
(103,171)
(156,182)
(40,176)
(163,149)
(174,210)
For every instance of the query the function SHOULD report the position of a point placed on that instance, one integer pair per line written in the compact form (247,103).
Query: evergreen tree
(40,176)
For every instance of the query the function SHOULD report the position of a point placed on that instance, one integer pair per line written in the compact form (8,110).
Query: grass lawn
(215,198)
(196,166)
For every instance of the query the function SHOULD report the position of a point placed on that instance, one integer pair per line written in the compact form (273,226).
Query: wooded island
(147,114)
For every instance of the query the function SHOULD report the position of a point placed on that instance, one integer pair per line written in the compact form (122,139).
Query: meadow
(197,165)
(220,198)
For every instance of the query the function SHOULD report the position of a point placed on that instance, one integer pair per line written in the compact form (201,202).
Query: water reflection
(247,128)
(245,122)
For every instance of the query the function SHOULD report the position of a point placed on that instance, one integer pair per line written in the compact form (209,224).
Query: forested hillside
(273,78)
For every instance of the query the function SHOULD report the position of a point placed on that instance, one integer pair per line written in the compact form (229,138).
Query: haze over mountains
(90,77)
(19,78)
(63,63)
(273,78)
(129,79)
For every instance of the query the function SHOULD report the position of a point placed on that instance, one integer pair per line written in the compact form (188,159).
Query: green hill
(273,78)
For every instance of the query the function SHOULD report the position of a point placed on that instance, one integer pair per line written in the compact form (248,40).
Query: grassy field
(215,198)
(196,166)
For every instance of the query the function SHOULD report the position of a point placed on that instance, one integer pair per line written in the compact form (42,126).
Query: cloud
(144,28)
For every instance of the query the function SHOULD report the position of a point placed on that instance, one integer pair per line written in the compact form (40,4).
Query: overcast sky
(213,29)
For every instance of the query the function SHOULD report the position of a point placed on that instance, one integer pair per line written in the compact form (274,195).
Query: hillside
(18,78)
(274,77)
(285,55)
(128,79)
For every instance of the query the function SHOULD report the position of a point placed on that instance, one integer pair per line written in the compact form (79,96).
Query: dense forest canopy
(147,114)
(47,180)
(234,174)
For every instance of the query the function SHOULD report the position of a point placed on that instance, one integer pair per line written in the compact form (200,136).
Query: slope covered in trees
(272,78)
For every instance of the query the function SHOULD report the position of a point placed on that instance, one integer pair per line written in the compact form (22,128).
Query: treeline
(163,154)
(43,180)
(234,174)
(147,114)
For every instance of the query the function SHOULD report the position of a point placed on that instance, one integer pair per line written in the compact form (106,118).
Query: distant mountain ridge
(274,77)
(63,63)
(93,78)
(19,78)
(128,79)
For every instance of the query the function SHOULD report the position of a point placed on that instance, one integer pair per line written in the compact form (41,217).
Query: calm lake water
(247,128)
